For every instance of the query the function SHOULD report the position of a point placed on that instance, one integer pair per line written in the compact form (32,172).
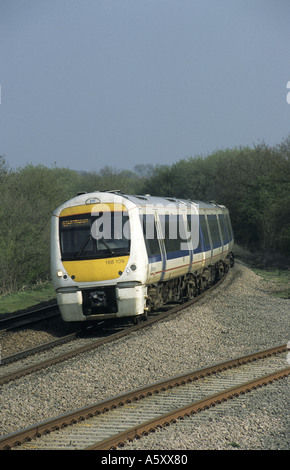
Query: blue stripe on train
(177,254)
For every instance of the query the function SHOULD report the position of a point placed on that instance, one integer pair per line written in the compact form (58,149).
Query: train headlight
(59,273)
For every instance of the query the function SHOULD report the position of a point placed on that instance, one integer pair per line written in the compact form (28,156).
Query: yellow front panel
(95,270)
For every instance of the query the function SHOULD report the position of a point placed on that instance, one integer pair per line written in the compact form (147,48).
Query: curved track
(9,321)
(11,373)
(111,423)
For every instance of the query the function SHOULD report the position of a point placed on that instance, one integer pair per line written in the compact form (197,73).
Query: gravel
(239,317)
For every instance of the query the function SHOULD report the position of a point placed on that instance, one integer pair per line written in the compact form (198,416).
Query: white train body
(115,255)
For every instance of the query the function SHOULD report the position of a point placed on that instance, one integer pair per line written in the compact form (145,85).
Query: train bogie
(115,256)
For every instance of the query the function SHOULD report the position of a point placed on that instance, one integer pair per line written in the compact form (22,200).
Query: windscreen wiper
(83,246)
(106,245)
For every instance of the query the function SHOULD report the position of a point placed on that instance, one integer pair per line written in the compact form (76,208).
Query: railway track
(111,423)
(9,321)
(12,372)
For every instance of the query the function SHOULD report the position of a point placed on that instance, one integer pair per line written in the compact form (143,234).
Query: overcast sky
(90,83)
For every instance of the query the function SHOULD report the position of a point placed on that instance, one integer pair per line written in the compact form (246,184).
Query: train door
(197,255)
(215,236)
(224,233)
(176,242)
(155,247)
(207,244)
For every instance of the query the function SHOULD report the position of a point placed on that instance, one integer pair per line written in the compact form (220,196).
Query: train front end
(96,258)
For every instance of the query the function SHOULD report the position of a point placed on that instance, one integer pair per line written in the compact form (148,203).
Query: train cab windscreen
(89,236)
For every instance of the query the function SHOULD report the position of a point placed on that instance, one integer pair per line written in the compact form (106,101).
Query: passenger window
(223,227)
(214,230)
(229,226)
(150,235)
(174,233)
(193,220)
(204,232)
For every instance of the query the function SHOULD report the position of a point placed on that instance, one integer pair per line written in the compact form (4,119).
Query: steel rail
(101,341)
(25,317)
(144,429)
(37,349)
(19,437)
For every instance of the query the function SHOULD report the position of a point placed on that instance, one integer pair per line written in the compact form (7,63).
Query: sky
(86,84)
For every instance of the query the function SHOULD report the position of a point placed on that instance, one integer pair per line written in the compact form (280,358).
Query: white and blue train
(116,255)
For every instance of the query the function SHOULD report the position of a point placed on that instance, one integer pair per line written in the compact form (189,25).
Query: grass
(26,298)
(280,277)
(263,266)
(234,444)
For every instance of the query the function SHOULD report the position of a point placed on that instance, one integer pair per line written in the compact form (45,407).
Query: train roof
(142,200)
(145,199)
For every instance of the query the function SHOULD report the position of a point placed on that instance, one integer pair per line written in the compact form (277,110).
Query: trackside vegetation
(253,182)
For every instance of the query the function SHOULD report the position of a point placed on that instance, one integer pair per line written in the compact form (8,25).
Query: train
(115,255)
